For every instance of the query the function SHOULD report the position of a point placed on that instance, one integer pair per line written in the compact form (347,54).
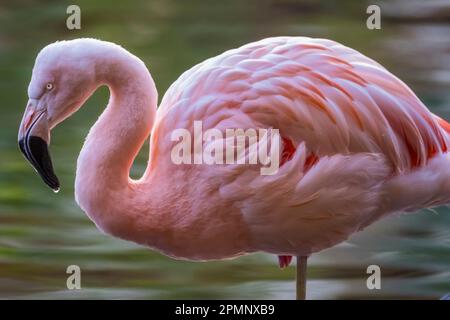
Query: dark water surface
(41,233)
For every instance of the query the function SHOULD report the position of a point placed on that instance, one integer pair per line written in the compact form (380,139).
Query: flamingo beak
(34,136)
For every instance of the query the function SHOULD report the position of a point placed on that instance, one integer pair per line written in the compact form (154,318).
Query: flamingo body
(357,144)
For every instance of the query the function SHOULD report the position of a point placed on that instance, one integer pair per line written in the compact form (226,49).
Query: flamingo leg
(301,277)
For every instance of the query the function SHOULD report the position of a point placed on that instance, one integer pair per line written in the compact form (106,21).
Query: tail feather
(425,187)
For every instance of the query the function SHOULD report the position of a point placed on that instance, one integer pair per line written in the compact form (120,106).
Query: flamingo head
(63,78)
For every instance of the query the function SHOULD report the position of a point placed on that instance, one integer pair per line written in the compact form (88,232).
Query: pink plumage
(357,145)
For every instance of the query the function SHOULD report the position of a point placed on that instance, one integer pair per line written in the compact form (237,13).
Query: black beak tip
(35,150)
(53,184)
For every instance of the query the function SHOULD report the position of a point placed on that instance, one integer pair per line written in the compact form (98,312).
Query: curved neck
(102,183)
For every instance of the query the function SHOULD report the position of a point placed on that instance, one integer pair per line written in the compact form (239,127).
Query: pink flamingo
(357,145)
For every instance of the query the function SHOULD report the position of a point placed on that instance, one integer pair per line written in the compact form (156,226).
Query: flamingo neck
(103,188)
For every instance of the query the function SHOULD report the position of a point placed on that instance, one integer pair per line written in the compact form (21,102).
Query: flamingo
(356,145)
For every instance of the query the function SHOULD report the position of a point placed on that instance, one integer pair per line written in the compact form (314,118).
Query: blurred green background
(41,233)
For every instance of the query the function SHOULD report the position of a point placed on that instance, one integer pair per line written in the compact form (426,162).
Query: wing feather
(316,91)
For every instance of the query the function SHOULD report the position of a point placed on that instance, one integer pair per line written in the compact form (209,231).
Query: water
(42,233)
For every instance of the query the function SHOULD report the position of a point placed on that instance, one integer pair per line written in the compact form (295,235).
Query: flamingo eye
(49,86)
